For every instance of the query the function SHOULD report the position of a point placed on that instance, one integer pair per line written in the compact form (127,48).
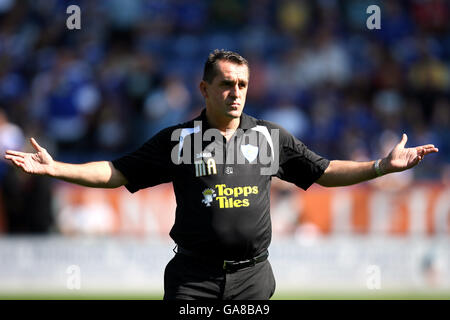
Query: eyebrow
(230,82)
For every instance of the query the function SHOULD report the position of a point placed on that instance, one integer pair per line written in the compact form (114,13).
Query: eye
(227,83)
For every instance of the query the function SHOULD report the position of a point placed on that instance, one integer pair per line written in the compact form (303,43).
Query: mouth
(234,105)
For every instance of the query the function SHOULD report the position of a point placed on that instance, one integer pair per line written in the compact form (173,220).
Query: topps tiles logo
(227,197)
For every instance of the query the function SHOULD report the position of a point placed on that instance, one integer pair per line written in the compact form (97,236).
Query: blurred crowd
(316,69)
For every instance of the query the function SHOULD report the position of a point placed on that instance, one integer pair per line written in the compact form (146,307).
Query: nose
(234,92)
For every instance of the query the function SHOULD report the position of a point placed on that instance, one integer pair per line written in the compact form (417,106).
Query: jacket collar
(246,121)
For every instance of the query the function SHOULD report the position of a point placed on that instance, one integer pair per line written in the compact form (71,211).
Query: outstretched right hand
(35,163)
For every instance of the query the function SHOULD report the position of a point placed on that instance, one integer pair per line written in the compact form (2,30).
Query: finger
(428,151)
(35,145)
(426,146)
(403,141)
(18,163)
(16,153)
(14,158)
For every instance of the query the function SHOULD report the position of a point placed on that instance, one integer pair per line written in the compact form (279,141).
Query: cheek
(218,94)
(224,95)
(243,94)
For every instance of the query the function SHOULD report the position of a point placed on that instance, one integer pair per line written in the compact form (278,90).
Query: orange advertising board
(362,209)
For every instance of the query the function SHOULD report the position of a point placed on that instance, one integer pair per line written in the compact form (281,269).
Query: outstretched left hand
(401,158)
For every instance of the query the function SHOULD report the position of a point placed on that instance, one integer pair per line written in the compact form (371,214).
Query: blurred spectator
(69,98)
(440,126)
(11,138)
(110,133)
(227,15)
(429,73)
(431,15)
(26,198)
(396,24)
(325,61)
(293,16)
(289,116)
(166,106)
(388,105)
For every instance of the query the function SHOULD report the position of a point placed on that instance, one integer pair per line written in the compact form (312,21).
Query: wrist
(384,166)
(50,169)
(378,166)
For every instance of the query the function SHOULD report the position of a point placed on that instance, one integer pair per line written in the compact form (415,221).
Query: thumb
(35,145)
(404,139)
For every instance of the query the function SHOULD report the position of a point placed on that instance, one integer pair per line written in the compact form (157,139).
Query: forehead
(231,71)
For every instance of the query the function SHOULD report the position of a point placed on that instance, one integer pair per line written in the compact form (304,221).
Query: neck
(226,126)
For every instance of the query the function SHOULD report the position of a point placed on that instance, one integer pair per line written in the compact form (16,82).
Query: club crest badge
(208,195)
(250,152)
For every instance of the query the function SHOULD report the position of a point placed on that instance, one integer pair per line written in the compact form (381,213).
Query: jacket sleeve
(149,165)
(298,164)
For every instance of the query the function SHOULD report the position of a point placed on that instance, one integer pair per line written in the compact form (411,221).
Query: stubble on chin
(234,114)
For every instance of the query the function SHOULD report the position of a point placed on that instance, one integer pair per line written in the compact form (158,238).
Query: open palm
(401,158)
(34,163)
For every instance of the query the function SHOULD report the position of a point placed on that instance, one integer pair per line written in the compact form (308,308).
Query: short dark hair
(210,71)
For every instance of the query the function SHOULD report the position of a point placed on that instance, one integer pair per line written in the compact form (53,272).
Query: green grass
(80,296)
(306,295)
(363,295)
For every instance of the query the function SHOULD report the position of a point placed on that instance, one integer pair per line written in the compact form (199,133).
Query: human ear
(204,89)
